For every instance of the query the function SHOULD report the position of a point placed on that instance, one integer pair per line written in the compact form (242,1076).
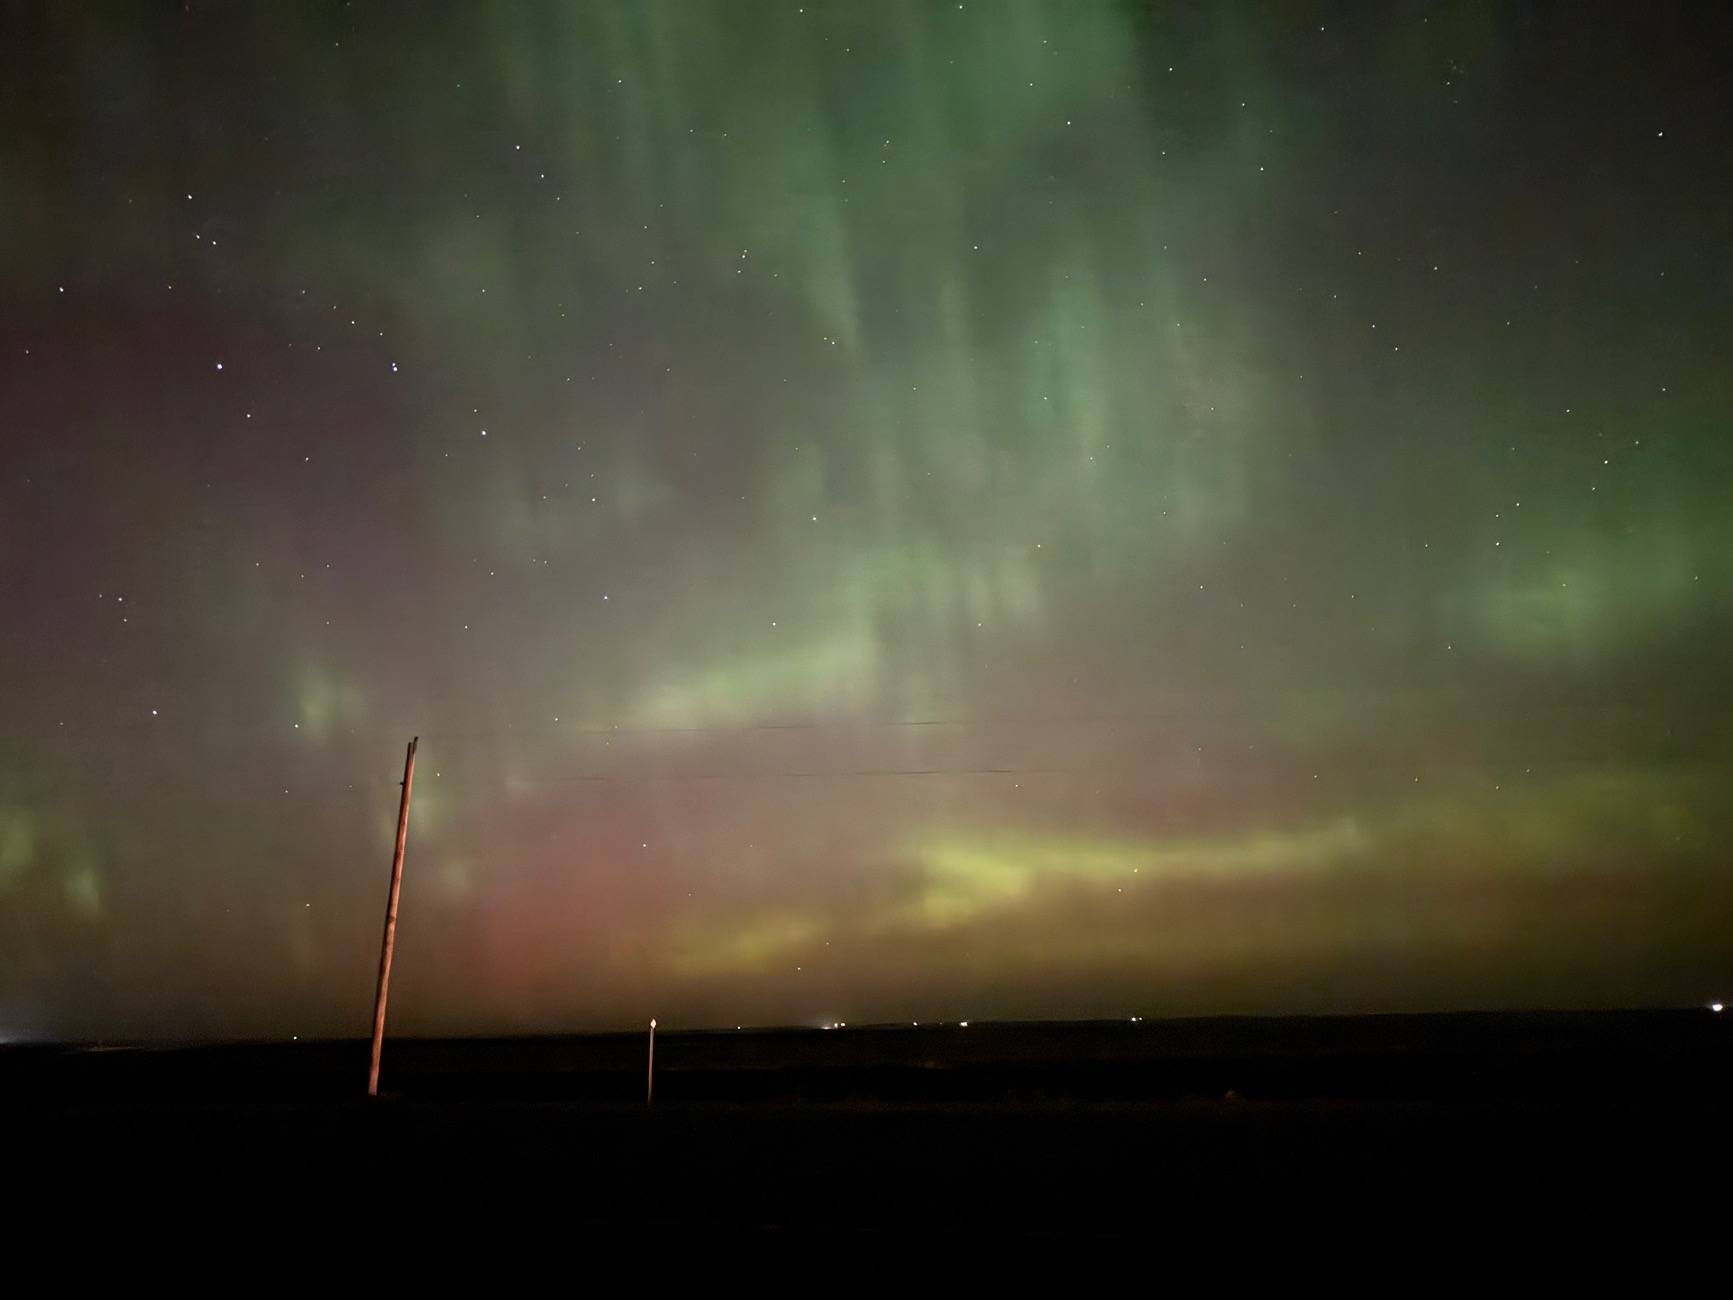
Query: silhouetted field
(1490,1126)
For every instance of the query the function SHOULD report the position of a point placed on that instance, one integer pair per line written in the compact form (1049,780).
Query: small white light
(963,1023)
(1715,1006)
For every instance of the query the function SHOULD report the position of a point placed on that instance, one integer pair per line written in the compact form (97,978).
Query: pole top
(652,1022)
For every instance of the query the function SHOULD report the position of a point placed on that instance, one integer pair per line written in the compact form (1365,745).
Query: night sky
(877,511)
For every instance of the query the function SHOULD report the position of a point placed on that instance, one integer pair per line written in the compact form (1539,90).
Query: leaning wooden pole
(390,939)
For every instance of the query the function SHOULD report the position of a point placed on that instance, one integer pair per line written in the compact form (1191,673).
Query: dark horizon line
(1095,1022)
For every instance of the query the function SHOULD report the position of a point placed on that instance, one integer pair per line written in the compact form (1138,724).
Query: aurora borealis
(876,511)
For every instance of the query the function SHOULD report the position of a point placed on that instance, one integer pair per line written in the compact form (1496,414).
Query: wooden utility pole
(390,938)
(650,1074)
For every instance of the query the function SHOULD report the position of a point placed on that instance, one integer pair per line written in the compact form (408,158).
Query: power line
(150,788)
(274,732)
(270,788)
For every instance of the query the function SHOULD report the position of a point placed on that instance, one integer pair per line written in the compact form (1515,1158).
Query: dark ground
(1590,1127)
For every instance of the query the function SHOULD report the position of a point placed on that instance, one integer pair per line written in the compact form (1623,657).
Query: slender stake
(650,1078)
(390,938)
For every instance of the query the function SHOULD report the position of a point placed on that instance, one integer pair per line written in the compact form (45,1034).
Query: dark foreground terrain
(1466,1128)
